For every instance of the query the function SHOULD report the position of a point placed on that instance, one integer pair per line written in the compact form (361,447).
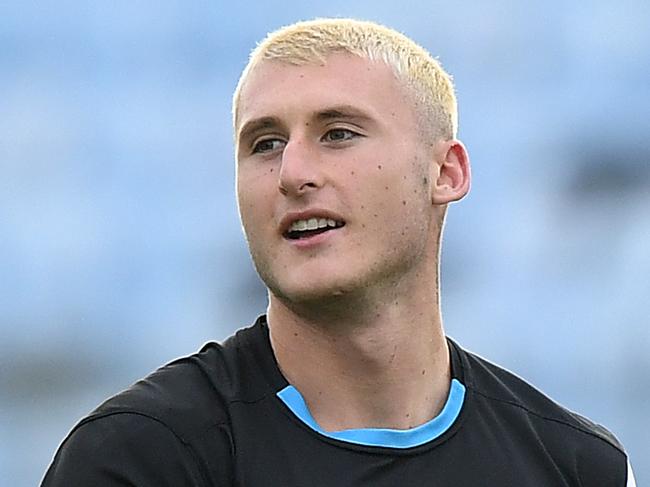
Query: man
(346,162)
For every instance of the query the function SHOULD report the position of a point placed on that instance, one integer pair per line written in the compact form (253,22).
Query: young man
(346,161)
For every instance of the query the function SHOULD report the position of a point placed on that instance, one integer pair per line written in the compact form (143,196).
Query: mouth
(303,229)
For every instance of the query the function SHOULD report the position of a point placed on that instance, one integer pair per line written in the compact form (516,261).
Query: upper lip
(289,218)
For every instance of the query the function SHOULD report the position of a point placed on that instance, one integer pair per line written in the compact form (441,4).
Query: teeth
(313,224)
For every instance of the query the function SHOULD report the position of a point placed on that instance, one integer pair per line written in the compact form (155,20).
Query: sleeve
(121,450)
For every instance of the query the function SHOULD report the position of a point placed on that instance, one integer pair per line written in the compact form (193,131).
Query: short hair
(310,42)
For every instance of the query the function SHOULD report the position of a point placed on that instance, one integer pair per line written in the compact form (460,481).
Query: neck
(385,365)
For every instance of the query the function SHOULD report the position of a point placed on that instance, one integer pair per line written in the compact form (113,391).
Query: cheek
(250,216)
(255,192)
(255,215)
(395,191)
(401,203)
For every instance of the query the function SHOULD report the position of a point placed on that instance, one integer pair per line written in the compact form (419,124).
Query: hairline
(427,127)
(423,79)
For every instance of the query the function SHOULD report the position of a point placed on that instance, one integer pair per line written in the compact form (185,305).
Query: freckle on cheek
(351,173)
(379,166)
(404,202)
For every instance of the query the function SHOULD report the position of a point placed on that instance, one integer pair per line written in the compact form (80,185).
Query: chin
(317,292)
(306,294)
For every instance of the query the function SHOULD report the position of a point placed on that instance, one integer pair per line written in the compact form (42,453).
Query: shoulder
(578,445)
(194,393)
(169,428)
(187,395)
(123,449)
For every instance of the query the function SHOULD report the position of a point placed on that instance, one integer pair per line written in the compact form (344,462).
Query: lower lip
(314,240)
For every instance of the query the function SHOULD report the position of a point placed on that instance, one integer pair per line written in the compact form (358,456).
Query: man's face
(333,178)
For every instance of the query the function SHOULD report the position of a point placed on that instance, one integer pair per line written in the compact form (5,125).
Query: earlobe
(452,180)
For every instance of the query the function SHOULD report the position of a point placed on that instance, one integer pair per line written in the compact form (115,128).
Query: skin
(355,318)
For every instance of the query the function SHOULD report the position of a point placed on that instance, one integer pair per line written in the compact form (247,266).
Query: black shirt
(227,417)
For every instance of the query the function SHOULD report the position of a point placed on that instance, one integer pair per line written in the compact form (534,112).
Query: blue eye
(268,145)
(339,135)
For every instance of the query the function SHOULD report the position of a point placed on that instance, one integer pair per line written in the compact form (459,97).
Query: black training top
(227,417)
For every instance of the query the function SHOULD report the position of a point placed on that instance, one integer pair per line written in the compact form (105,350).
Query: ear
(451,176)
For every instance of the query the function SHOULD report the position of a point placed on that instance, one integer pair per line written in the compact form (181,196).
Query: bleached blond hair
(310,42)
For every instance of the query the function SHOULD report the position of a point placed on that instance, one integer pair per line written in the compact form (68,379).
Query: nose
(300,169)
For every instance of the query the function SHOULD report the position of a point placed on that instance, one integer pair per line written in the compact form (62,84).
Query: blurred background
(120,245)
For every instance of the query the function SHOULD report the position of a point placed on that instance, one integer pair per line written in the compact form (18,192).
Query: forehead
(276,88)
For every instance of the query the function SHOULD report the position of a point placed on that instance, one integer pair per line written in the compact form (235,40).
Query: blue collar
(390,438)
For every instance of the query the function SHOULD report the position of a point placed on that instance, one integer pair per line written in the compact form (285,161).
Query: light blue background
(120,246)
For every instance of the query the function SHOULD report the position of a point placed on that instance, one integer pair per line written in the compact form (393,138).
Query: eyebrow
(341,111)
(336,112)
(257,124)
